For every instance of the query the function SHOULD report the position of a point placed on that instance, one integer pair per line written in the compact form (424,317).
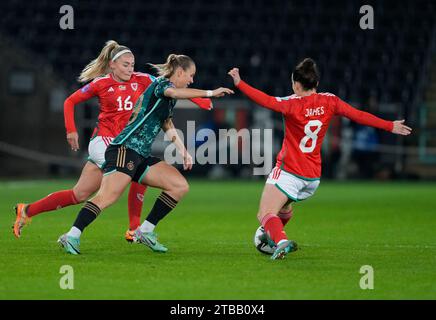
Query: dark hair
(306,72)
(174,61)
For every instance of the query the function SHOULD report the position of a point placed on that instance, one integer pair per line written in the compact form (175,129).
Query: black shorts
(125,160)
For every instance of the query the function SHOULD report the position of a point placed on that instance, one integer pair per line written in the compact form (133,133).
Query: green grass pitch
(389,226)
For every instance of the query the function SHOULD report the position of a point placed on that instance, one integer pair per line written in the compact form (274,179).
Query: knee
(181,187)
(81,195)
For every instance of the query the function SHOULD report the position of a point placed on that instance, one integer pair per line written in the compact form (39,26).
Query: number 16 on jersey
(127,105)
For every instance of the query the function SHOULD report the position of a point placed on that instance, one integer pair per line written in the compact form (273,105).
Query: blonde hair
(100,65)
(174,61)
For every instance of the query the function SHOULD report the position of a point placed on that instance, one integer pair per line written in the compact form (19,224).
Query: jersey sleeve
(203,103)
(145,78)
(364,118)
(86,92)
(262,99)
(162,85)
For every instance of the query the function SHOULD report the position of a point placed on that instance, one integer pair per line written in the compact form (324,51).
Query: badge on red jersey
(85,88)
(134,86)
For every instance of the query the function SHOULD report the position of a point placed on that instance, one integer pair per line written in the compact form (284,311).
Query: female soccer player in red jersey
(298,168)
(117,87)
(128,158)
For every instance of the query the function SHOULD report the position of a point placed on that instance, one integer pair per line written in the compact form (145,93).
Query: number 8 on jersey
(310,135)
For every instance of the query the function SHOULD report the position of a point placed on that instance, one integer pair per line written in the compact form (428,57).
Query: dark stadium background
(390,71)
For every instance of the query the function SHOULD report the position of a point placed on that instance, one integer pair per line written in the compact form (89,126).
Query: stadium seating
(265,39)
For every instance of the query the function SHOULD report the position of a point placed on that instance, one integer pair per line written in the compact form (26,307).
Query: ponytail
(100,65)
(174,61)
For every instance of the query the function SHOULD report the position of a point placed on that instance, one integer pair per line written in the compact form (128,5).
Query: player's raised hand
(73,140)
(220,92)
(401,128)
(234,73)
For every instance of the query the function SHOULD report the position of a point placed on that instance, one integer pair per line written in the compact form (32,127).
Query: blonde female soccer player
(128,158)
(117,87)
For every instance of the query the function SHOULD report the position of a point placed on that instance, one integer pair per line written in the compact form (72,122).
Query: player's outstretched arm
(203,103)
(255,95)
(188,93)
(400,128)
(368,119)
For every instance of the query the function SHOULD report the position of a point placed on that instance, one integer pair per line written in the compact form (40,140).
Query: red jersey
(306,122)
(116,101)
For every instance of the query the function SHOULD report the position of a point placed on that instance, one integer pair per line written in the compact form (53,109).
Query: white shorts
(294,187)
(96,149)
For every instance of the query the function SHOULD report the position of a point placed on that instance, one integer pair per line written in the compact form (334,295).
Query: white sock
(281,241)
(147,227)
(74,232)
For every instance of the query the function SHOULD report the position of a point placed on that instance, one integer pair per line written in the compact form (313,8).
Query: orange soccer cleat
(129,235)
(21,219)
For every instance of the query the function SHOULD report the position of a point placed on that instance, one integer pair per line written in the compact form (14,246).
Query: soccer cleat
(283,249)
(21,219)
(69,244)
(129,235)
(149,239)
(266,239)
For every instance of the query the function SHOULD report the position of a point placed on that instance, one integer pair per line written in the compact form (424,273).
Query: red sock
(285,215)
(274,228)
(53,201)
(136,198)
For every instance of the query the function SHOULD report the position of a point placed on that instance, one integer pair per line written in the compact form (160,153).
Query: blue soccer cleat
(150,240)
(69,244)
(283,248)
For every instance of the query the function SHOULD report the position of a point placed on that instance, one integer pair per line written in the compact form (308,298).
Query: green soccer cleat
(150,240)
(69,244)
(266,239)
(283,249)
